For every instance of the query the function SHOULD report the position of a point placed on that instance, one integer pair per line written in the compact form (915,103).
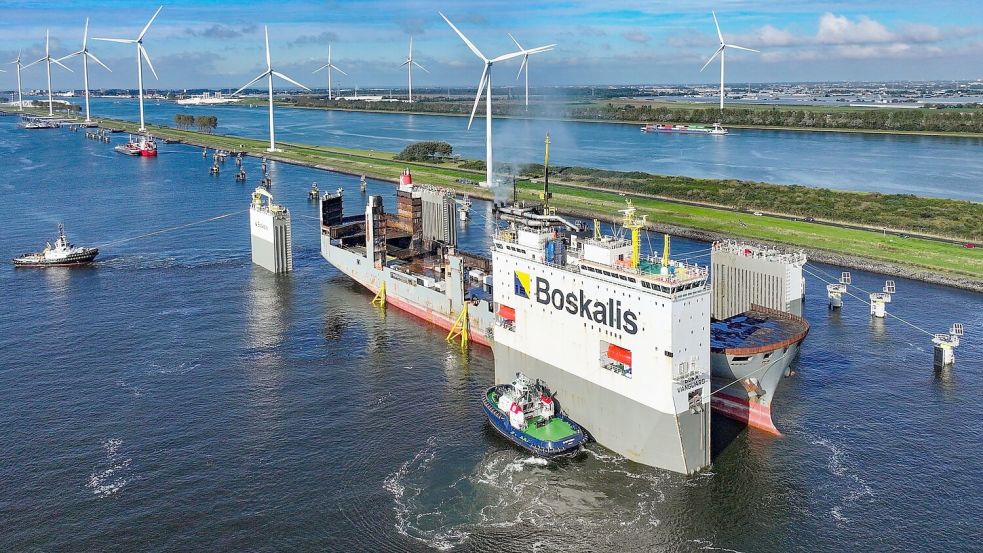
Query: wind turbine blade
(717,25)
(404,63)
(515,41)
(712,57)
(539,49)
(421,67)
(47,40)
(742,48)
(477,98)
(288,79)
(509,56)
(146,56)
(247,85)
(410,56)
(33,63)
(266,33)
(72,55)
(325,66)
(522,66)
(147,27)
(56,62)
(335,67)
(85,34)
(473,48)
(95,59)
(120,40)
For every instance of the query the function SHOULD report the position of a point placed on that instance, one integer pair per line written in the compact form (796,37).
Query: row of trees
(887,119)
(204,123)
(429,150)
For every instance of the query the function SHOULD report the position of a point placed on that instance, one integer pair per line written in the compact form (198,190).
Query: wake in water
(111,480)
(596,497)
(856,489)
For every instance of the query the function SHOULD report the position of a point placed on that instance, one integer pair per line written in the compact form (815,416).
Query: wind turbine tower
(330,67)
(48,60)
(141,56)
(84,52)
(525,63)
(20,97)
(269,74)
(721,50)
(485,87)
(409,63)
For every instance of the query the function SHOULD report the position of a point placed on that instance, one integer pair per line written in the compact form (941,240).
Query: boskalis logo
(521,284)
(608,313)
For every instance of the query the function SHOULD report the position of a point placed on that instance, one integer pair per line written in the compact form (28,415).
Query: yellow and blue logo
(522,285)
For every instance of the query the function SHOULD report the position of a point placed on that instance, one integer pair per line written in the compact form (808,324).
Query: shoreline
(762,230)
(937,134)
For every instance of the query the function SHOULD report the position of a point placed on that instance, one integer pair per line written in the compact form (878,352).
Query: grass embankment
(931,255)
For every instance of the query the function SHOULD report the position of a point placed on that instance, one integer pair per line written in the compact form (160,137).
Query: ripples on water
(174,397)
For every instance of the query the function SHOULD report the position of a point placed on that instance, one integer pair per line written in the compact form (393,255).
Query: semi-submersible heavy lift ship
(624,340)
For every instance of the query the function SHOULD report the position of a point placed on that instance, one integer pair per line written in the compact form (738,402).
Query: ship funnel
(406,179)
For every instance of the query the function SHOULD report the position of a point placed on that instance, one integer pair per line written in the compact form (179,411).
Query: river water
(946,167)
(173,397)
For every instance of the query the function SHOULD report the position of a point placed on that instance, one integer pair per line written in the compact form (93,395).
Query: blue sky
(218,43)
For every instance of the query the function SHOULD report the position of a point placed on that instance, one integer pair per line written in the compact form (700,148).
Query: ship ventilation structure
(746,274)
(269,226)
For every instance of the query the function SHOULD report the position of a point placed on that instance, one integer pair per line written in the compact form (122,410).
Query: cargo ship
(409,259)
(716,129)
(62,254)
(756,328)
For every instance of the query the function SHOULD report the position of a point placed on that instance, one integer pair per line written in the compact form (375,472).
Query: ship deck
(555,430)
(757,330)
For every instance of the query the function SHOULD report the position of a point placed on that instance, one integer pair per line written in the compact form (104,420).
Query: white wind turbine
(269,73)
(525,63)
(723,46)
(141,55)
(409,63)
(20,98)
(485,86)
(84,52)
(330,67)
(48,60)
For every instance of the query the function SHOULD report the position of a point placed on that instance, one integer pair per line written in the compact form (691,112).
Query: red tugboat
(145,146)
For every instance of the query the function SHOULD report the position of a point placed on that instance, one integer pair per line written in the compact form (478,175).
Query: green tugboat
(525,413)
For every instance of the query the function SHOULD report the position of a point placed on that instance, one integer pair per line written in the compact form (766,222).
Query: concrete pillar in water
(269,225)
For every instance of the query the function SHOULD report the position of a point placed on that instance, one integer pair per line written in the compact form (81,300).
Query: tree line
(967,118)
(204,123)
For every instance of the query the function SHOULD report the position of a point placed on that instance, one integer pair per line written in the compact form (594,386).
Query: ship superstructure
(624,341)
(409,259)
(757,327)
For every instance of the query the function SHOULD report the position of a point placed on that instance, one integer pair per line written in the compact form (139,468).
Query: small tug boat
(61,254)
(314,193)
(145,146)
(525,413)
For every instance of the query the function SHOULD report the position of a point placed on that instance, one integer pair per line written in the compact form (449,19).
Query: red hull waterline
(750,413)
(431,317)
(148,153)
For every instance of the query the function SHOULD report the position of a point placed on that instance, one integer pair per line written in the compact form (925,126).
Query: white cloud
(839,29)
